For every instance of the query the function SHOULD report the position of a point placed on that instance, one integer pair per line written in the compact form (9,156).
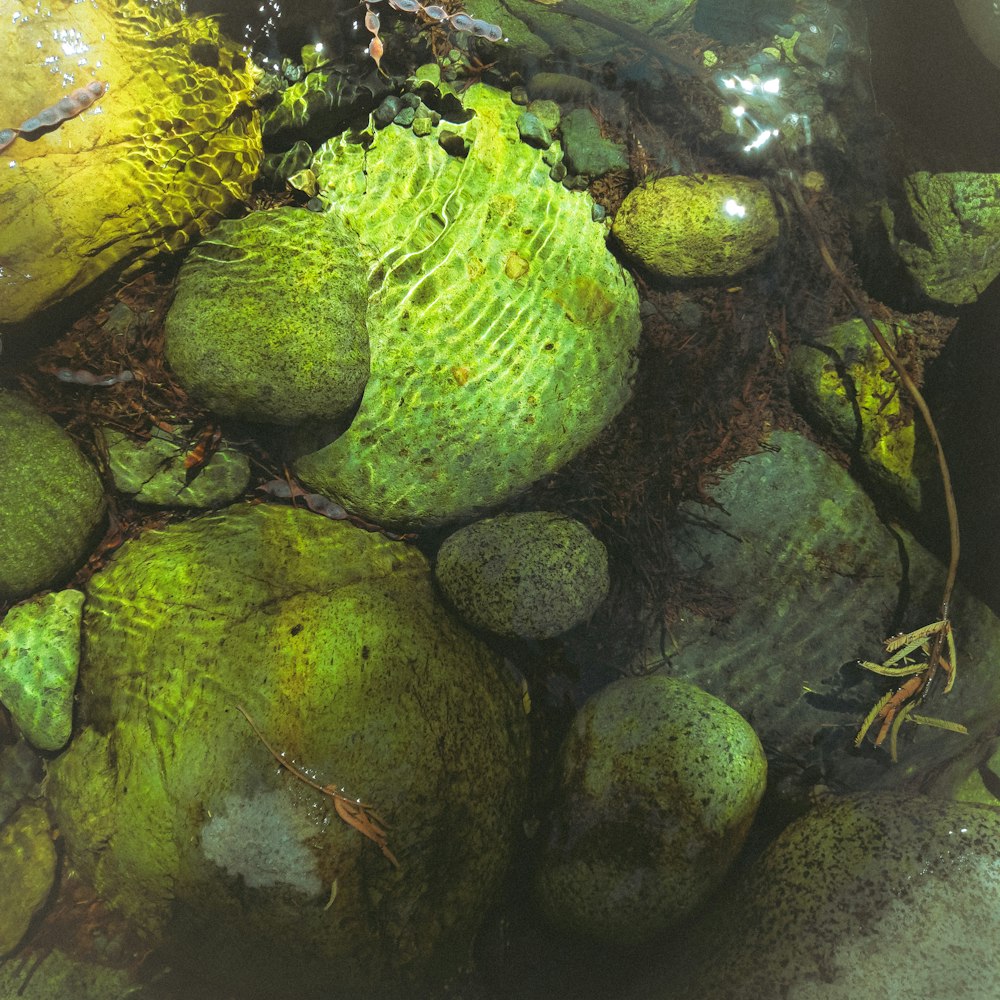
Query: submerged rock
(532,575)
(659,784)
(836,906)
(795,578)
(160,157)
(843,382)
(334,642)
(956,216)
(39,657)
(27,872)
(268,322)
(51,500)
(501,334)
(709,226)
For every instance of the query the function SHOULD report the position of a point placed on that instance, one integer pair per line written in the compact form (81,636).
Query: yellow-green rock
(531,575)
(51,499)
(709,226)
(659,783)
(268,323)
(335,642)
(844,383)
(27,872)
(154,162)
(39,657)
(502,330)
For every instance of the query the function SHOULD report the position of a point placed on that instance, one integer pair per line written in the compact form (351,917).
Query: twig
(353,812)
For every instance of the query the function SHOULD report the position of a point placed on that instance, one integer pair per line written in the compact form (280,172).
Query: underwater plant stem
(915,394)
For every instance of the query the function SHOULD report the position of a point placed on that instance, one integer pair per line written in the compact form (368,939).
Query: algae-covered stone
(502,333)
(957,217)
(709,226)
(659,783)
(39,657)
(334,642)
(153,471)
(269,318)
(51,499)
(159,158)
(830,909)
(588,152)
(843,382)
(531,576)
(27,872)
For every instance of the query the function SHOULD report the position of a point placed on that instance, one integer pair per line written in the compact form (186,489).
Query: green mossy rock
(957,216)
(709,226)
(269,318)
(502,333)
(159,159)
(532,575)
(39,657)
(588,152)
(153,471)
(843,383)
(831,909)
(27,872)
(334,641)
(659,785)
(51,500)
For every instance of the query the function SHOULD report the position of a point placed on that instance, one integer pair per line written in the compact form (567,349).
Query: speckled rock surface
(158,159)
(530,575)
(335,642)
(501,333)
(843,383)
(51,500)
(27,872)
(153,471)
(832,909)
(659,785)
(39,657)
(955,254)
(710,226)
(795,577)
(269,318)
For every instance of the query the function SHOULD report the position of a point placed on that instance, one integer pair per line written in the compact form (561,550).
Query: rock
(502,334)
(546,31)
(39,656)
(27,872)
(710,226)
(532,131)
(982,22)
(659,783)
(588,153)
(843,383)
(153,471)
(268,323)
(156,160)
(532,575)
(794,578)
(956,216)
(831,907)
(51,500)
(333,640)
(20,775)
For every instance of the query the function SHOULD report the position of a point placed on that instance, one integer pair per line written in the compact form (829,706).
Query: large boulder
(834,907)
(502,332)
(333,642)
(51,500)
(154,161)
